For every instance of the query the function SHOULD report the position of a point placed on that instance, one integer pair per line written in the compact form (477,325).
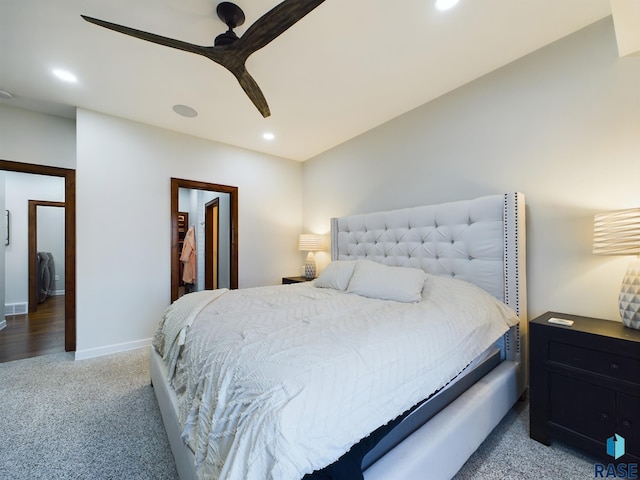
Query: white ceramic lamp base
(629,298)
(310,266)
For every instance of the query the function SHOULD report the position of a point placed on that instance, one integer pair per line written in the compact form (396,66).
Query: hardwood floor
(35,334)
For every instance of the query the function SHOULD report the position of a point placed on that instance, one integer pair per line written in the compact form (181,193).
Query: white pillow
(336,275)
(375,280)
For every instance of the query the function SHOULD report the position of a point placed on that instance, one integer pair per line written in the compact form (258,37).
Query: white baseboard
(110,349)
(57,293)
(3,323)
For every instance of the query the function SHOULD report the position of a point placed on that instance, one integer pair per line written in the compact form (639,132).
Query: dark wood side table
(287,280)
(585,384)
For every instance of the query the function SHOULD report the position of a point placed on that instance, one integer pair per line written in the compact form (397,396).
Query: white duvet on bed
(276,382)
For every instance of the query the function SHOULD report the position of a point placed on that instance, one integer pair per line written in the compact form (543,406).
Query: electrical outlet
(56,277)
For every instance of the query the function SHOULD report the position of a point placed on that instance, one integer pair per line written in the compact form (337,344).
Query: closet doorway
(213,218)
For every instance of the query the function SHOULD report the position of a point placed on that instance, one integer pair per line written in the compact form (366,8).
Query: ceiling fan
(229,50)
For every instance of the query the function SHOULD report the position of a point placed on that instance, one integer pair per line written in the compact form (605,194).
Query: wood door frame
(176,185)
(211,243)
(33,247)
(69,176)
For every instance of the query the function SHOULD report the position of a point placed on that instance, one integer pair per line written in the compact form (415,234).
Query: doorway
(229,235)
(69,177)
(38,273)
(211,244)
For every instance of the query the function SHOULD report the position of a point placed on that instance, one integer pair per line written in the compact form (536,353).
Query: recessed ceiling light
(185,111)
(65,75)
(445,4)
(268,136)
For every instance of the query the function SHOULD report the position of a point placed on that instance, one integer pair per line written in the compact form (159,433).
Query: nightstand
(287,280)
(585,384)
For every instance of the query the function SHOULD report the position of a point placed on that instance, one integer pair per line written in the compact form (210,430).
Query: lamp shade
(617,232)
(310,242)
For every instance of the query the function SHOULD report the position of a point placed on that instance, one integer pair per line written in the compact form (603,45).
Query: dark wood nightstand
(585,384)
(287,280)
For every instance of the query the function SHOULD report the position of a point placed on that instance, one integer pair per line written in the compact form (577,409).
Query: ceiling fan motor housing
(233,16)
(225,38)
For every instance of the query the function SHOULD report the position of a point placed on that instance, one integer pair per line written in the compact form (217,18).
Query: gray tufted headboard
(481,241)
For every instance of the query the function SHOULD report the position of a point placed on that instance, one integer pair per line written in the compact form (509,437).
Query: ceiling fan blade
(152,37)
(232,57)
(273,23)
(252,90)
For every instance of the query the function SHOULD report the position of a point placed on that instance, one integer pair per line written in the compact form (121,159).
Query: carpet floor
(90,419)
(98,419)
(509,453)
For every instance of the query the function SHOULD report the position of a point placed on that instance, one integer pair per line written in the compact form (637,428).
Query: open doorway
(46,249)
(66,334)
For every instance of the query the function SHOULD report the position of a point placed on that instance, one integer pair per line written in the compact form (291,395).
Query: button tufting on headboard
(465,239)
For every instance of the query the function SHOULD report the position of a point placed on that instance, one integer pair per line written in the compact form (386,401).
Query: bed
(413,422)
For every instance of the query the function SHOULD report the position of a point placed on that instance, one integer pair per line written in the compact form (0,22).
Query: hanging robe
(188,257)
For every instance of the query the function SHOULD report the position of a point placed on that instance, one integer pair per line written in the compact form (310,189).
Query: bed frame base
(167,402)
(440,447)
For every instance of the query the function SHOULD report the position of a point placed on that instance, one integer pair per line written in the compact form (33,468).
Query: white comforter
(276,382)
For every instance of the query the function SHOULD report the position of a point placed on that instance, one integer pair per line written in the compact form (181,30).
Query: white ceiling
(345,68)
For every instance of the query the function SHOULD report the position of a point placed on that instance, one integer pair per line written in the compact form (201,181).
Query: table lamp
(618,233)
(310,242)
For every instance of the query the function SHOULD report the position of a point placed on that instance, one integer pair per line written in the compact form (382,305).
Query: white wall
(19,189)
(561,125)
(123,221)
(31,137)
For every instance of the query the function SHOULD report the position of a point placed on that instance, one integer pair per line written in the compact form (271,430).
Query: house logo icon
(615,446)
